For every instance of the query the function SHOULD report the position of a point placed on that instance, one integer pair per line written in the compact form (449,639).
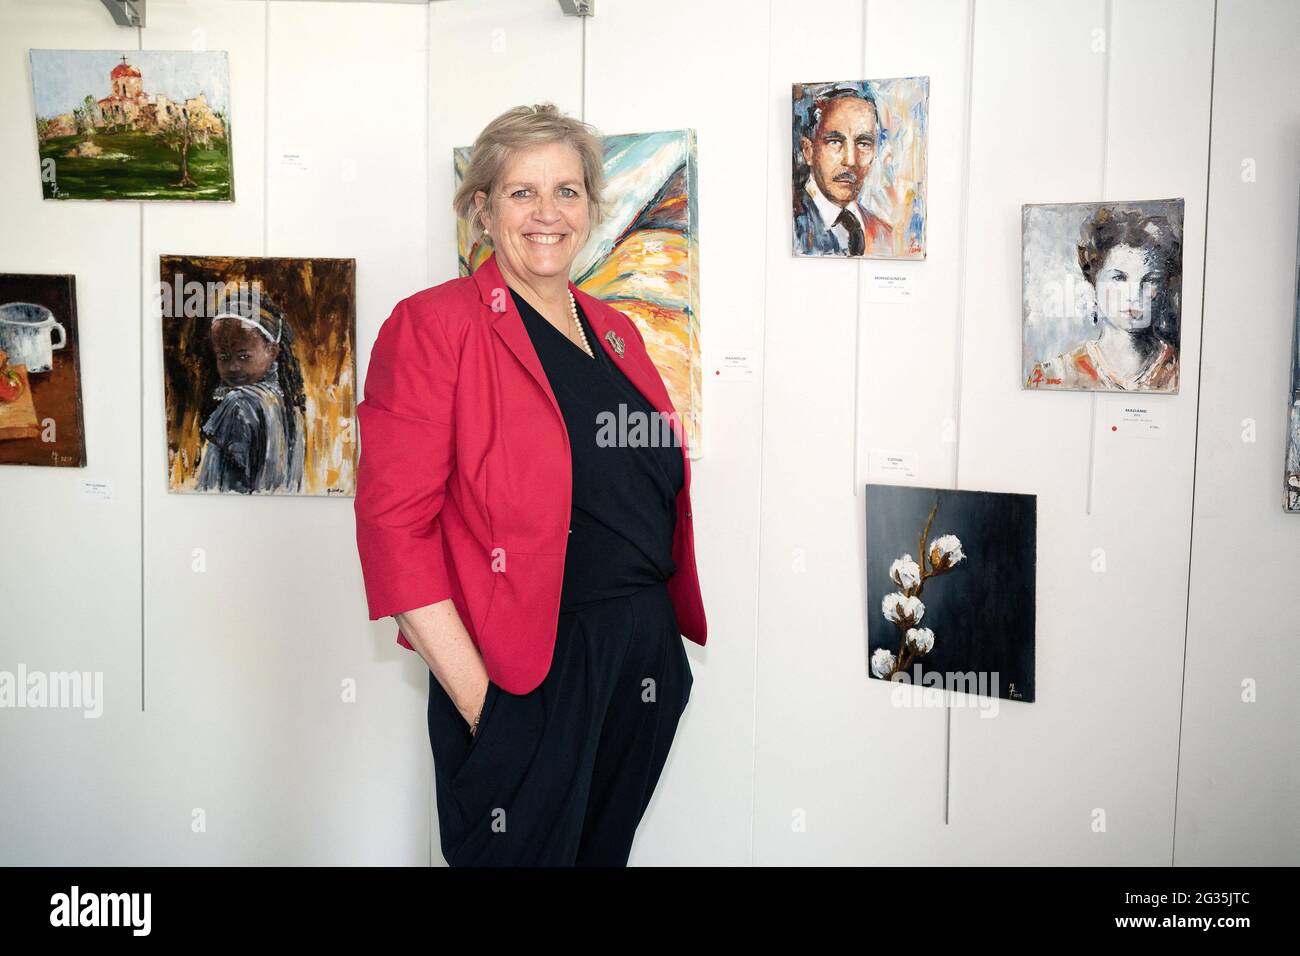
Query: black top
(625,478)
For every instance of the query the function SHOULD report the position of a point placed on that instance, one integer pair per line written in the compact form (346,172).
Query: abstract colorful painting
(1102,295)
(133,124)
(260,374)
(41,420)
(644,259)
(859,167)
(1291,490)
(950,589)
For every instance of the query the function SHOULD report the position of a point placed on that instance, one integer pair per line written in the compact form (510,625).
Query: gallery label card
(888,284)
(97,490)
(1137,420)
(735,365)
(295,164)
(889,463)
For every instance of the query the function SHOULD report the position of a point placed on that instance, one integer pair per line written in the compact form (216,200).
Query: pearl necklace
(573,314)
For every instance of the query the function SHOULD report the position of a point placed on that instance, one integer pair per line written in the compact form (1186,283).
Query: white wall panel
(1239,782)
(267,634)
(485,58)
(824,733)
(638,70)
(71,580)
(1102,736)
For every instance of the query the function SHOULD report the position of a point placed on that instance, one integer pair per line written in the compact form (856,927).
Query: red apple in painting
(11,385)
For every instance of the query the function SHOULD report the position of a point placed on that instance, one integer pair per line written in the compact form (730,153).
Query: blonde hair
(520,128)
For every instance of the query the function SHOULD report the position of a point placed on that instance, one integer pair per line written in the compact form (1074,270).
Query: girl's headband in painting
(253,323)
(235,300)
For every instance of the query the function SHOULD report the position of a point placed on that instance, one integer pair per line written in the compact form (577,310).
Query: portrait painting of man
(859,157)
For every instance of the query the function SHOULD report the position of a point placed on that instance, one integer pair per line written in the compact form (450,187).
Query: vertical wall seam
(959,359)
(855,444)
(1196,435)
(1105,96)
(266,127)
(762,432)
(964,245)
(144,607)
(1105,165)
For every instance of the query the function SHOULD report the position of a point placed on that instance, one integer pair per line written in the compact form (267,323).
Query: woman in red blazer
(536,552)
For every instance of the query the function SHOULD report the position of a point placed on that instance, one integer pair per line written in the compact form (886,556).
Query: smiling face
(1127,284)
(243,354)
(538,215)
(842,149)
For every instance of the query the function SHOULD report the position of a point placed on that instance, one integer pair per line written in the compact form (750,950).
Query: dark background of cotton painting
(982,611)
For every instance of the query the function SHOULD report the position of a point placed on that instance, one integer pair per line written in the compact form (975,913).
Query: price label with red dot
(736,365)
(1134,420)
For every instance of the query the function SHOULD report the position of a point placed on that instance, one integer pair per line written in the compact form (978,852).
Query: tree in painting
(181,133)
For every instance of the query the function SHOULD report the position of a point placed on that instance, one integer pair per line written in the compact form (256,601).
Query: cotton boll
(922,638)
(945,552)
(902,609)
(882,662)
(905,572)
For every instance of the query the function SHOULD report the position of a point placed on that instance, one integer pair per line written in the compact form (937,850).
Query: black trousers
(562,775)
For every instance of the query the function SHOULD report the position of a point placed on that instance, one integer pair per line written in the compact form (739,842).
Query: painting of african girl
(260,374)
(1102,295)
(859,168)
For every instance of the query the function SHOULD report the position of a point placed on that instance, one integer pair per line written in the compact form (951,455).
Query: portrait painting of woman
(1102,285)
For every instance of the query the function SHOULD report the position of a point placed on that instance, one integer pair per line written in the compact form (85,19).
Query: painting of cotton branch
(950,589)
(904,609)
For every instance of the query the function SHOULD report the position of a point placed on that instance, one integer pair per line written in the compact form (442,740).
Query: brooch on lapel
(615,341)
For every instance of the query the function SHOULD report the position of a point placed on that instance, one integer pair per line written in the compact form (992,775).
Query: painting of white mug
(27,335)
(41,420)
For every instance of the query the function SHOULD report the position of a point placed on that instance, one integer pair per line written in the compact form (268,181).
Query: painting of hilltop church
(644,258)
(147,125)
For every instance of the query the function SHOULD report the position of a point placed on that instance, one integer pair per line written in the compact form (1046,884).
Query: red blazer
(465,480)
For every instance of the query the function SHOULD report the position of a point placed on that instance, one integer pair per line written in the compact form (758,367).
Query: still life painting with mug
(40,376)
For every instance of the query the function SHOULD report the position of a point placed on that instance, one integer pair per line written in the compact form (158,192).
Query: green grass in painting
(149,170)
